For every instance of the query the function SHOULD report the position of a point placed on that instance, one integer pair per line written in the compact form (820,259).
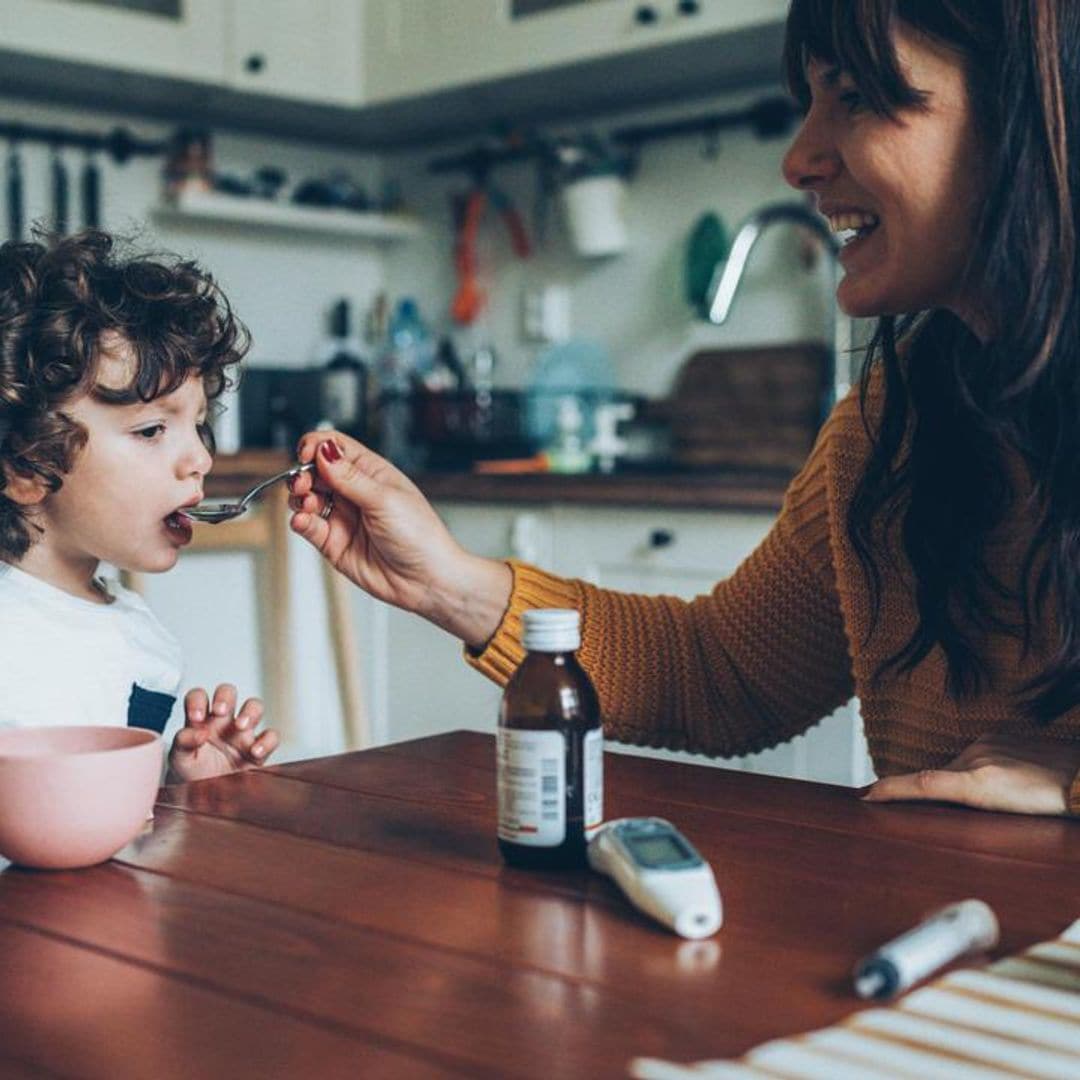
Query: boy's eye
(152,431)
(206,435)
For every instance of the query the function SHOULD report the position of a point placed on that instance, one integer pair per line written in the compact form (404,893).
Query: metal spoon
(216,513)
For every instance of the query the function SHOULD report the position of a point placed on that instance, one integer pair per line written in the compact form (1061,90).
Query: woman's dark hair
(63,303)
(954,411)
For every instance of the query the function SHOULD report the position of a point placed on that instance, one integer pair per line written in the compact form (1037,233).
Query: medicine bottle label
(532,787)
(594,781)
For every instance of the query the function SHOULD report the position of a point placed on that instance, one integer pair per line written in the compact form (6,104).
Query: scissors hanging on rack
(470,297)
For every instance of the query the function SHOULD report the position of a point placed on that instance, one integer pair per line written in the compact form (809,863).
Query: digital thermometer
(660,873)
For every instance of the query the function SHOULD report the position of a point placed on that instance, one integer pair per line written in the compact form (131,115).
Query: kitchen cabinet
(307,50)
(680,553)
(382,74)
(302,50)
(182,39)
(418,682)
(526,34)
(421,46)
(420,685)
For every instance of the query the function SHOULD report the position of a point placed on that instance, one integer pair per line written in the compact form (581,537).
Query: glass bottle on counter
(550,749)
(345,377)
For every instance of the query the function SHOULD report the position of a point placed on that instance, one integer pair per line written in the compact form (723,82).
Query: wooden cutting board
(757,408)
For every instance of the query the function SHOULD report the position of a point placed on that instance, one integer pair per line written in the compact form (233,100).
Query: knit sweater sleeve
(761,658)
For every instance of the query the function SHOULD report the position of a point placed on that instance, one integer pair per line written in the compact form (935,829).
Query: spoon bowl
(207,513)
(214,513)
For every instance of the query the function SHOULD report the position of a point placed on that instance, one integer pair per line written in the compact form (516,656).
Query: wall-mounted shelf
(202,207)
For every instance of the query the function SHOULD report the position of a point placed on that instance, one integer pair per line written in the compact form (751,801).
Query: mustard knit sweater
(786,640)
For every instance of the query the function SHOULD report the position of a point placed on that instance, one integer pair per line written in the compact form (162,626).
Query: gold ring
(328,507)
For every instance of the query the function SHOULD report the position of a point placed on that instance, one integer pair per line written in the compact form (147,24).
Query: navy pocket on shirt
(149,709)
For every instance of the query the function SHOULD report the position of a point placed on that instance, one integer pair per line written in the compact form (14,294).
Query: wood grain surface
(350,916)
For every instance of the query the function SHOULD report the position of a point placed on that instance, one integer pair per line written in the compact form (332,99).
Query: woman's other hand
(382,534)
(997,772)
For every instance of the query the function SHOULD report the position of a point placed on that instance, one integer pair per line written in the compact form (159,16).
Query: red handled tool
(470,298)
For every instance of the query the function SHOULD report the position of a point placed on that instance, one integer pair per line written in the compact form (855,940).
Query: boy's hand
(219,740)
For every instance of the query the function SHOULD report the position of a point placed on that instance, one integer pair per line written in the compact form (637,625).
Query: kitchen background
(425,66)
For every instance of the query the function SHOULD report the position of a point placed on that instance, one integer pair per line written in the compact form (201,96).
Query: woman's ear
(24,490)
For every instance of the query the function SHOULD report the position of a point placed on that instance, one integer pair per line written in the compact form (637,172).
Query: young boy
(108,366)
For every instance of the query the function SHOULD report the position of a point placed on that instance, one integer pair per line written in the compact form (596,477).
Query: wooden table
(350,916)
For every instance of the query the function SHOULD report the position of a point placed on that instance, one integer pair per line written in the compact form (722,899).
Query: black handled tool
(14,185)
(59,193)
(90,190)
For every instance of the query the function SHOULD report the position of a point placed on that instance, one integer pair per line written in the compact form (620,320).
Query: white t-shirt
(64,660)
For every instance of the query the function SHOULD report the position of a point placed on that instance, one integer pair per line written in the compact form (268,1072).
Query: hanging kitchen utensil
(14,185)
(59,193)
(90,193)
(470,298)
(706,249)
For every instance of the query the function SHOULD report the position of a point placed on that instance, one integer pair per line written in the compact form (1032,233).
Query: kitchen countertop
(676,488)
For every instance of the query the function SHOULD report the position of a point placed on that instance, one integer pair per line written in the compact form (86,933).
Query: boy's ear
(24,490)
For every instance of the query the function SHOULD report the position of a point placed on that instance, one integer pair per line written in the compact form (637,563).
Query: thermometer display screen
(658,851)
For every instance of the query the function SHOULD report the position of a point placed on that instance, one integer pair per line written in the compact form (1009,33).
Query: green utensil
(707,246)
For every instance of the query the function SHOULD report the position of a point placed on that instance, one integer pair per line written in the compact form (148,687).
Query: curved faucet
(730,273)
(747,237)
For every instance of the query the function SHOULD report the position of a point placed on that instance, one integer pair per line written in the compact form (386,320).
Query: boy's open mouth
(178,525)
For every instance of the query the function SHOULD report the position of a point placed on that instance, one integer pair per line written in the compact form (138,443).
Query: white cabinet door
(182,39)
(414,47)
(308,50)
(419,46)
(685,553)
(530,33)
(421,684)
(677,552)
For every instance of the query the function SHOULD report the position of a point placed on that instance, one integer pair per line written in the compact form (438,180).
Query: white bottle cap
(551,630)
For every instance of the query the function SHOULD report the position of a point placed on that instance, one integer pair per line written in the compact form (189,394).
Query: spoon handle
(296,470)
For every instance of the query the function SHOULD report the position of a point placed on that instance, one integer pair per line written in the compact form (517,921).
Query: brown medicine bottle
(550,749)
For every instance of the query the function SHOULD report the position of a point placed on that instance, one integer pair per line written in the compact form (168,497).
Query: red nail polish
(330,450)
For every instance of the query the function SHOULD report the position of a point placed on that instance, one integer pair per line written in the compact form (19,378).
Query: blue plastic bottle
(408,356)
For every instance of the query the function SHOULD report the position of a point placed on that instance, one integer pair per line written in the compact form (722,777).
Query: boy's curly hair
(59,299)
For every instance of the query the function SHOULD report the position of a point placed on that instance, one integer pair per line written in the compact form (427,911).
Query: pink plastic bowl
(74,796)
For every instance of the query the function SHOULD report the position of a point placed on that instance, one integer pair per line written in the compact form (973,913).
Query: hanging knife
(59,193)
(14,194)
(90,186)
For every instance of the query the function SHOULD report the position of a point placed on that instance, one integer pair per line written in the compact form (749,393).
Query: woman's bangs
(854,36)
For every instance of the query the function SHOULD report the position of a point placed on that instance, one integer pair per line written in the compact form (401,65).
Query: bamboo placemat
(1018,1017)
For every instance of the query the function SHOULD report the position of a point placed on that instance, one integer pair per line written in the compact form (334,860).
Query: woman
(926,558)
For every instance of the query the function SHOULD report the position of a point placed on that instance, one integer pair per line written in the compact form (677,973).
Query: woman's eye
(852,100)
(151,432)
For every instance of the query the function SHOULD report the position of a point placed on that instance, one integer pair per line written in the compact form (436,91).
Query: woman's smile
(860,246)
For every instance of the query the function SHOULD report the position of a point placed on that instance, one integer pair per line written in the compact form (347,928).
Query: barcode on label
(549,789)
